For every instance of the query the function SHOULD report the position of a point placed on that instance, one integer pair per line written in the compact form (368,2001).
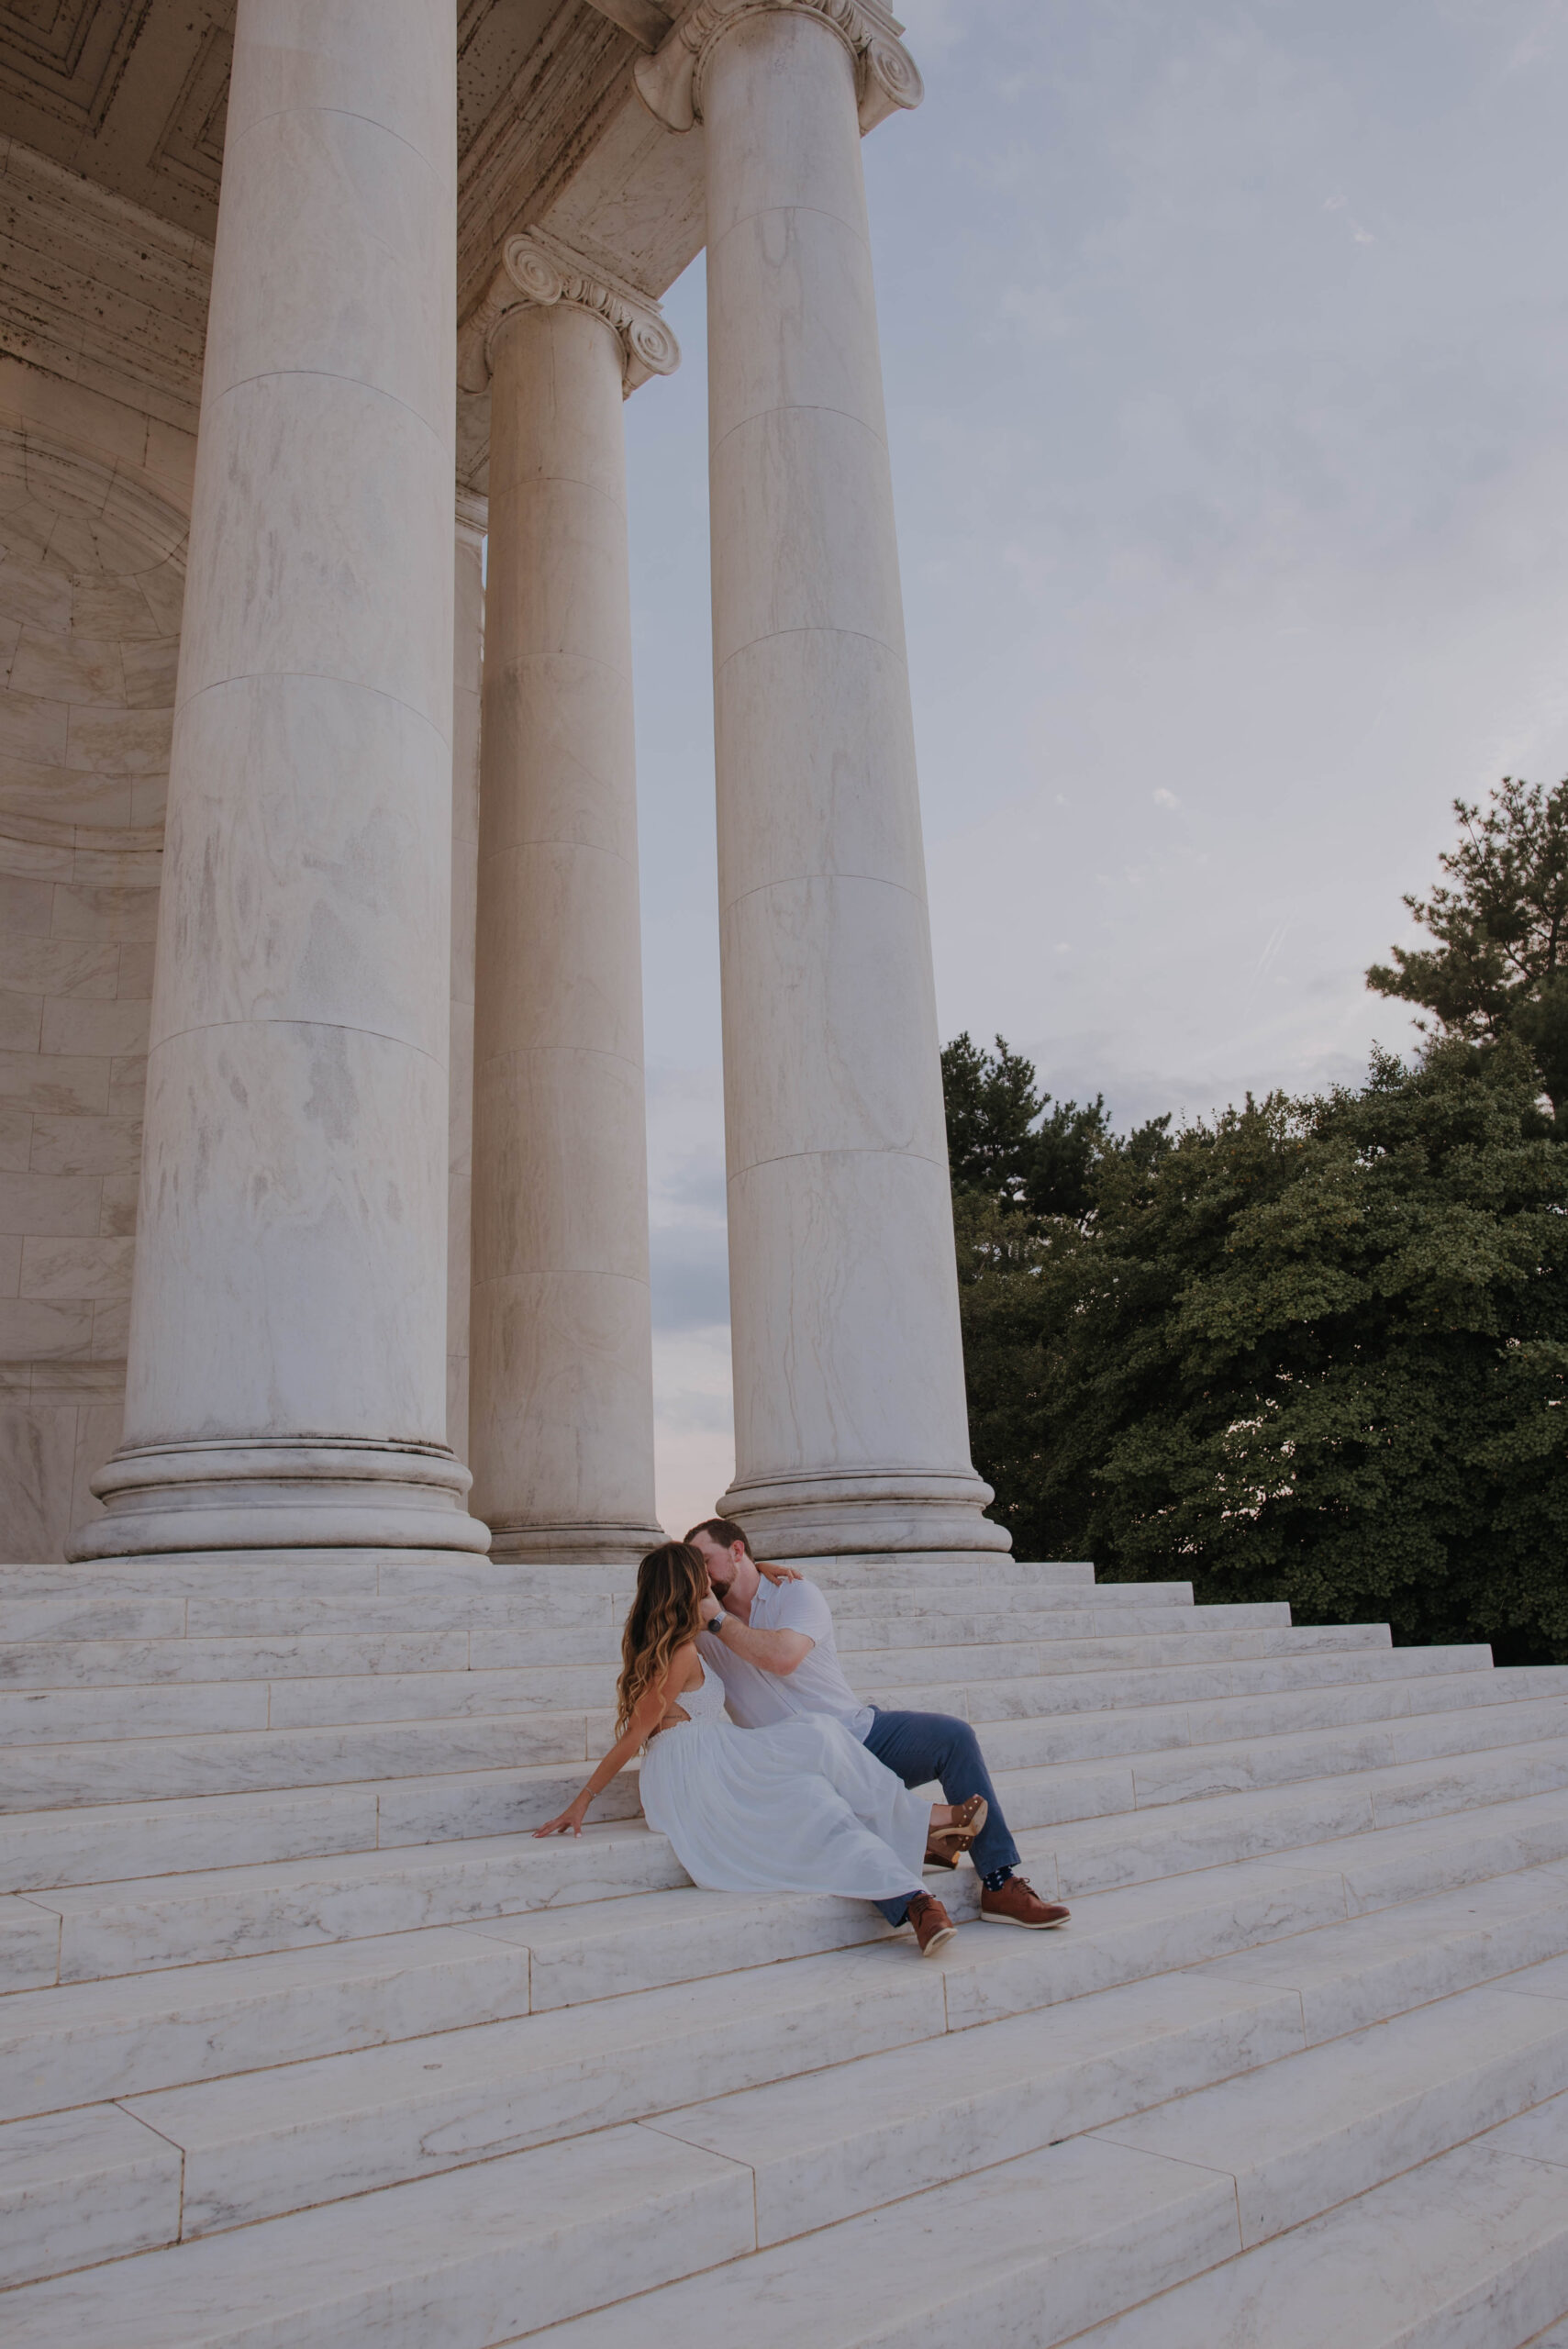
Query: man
(771,1645)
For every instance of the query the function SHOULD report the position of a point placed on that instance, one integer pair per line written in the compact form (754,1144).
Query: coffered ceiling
(132,94)
(130,97)
(128,92)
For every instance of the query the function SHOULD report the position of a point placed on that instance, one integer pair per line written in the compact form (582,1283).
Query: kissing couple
(802,1789)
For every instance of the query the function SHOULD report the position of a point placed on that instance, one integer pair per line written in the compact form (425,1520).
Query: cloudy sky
(1226,350)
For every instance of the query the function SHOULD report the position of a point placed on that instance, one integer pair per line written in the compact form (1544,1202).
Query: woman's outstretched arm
(651,1708)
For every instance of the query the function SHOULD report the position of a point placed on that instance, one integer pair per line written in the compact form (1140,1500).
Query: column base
(575,1545)
(898,1511)
(280,1496)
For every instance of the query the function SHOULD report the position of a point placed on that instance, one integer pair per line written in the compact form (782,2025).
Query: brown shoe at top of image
(1017,1903)
(933,1926)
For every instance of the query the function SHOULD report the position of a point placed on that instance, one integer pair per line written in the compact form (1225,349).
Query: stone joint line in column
(787,211)
(815,627)
(796,408)
(330,375)
(344,114)
(793,881)
(592,488)
(314,677)
(842,1150)
(261,1020)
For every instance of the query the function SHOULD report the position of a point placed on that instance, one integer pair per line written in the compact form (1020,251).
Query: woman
(801,1807)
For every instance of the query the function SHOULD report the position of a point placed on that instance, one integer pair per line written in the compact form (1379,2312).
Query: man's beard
(720,1589)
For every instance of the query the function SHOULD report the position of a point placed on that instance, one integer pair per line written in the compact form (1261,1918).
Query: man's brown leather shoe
(933,1926)
(1017,1903)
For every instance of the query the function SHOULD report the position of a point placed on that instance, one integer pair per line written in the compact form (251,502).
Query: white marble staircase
(304,2045)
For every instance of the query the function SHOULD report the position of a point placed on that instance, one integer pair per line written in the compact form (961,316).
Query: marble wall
(92,576)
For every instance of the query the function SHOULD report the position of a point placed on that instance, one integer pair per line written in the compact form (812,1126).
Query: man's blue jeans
(918,1747)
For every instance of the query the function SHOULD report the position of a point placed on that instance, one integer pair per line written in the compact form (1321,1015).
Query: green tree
(1500,920)
(1315,1351)
(1007,1142)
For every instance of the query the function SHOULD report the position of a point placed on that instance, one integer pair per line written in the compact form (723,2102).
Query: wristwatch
(718,1623)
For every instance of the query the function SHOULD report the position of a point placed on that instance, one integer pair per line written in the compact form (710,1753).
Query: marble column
(851,1427)
(562,1381)
(287,1371)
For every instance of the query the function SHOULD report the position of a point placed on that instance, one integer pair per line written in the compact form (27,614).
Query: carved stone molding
(473,515)
(538,269)
(670,83)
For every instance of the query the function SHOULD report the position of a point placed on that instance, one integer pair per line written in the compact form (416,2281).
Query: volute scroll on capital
(670,83)
(536,272)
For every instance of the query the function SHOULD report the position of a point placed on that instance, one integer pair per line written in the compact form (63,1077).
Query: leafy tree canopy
(1500,920)
(1008,1142)
(1315,1351)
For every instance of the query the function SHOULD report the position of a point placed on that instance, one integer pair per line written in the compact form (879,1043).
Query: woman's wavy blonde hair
(671,1583)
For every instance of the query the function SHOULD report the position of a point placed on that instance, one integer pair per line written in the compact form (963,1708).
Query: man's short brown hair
(722,1530)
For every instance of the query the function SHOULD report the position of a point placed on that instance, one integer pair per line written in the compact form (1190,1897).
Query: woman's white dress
(800,1807)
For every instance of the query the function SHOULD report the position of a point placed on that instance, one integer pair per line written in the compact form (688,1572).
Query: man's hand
(779,1574)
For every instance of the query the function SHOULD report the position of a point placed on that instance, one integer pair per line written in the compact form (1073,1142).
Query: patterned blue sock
(996,1880)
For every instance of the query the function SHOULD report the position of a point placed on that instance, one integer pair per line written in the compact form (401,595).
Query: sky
(1225,349)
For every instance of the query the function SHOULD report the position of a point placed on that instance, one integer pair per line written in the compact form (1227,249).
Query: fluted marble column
(287,1351)
(851,1427)
(562,1381)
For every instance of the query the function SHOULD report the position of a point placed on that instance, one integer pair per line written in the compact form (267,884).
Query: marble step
(594,1651)
(95,2041)
(208,1736)
(1093,2243)
(168,1702)
(822,2146)
(224,1762)
(1467,1674)
(478,1777)
(958,1629)
(870,1669)
(370,1573)
(586,1902)
(78,2187)
(1287,1930)
(1094,1853)
(91,2040)
(99,1844)
(29,1945)
(1469,2251)
(271,2141)
(1340,2119)
(475,2257)
(1174,1751)
(859,1601)
(272,1613)
(123,1927)
(164,1707)
(982,2220)
(259,2144)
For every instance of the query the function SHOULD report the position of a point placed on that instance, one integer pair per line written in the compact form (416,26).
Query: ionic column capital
(536,272)
(670,83)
